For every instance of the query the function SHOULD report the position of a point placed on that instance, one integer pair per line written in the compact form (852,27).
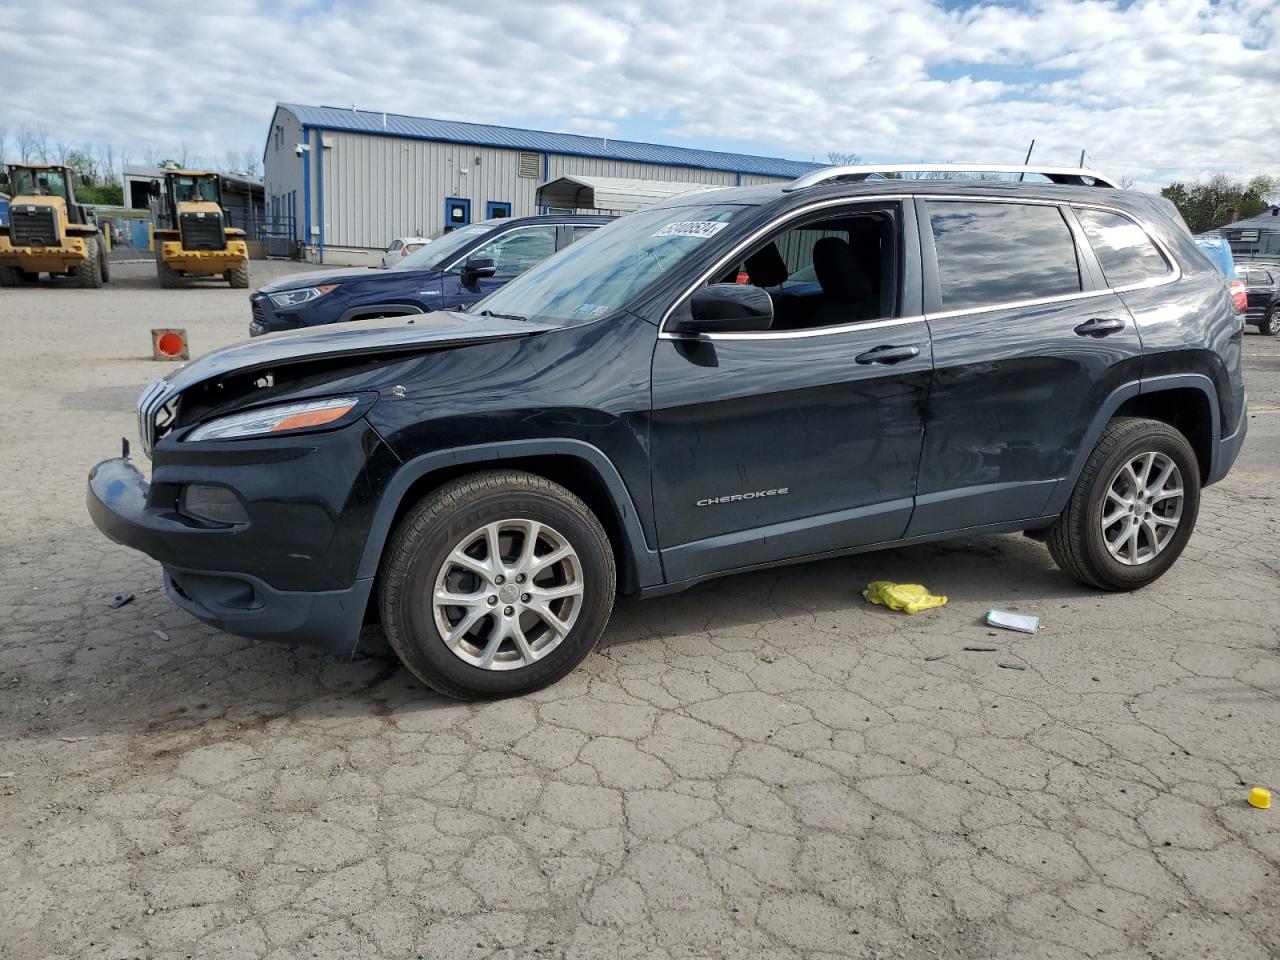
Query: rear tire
(1270,324)
(530,608)
(9,277)
(104,265)
(238,276)
(88,272)
(1124,526)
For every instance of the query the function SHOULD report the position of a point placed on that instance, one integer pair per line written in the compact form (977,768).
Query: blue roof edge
(541,141)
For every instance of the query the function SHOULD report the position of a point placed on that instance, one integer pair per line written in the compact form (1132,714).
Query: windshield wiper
(503,316)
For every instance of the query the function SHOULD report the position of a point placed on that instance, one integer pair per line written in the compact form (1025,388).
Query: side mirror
(724,308)
(477,267)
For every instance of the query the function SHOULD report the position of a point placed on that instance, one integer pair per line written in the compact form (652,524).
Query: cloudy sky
(1150,90)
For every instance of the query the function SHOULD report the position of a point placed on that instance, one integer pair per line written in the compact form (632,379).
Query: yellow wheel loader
(193,238)
(48,232)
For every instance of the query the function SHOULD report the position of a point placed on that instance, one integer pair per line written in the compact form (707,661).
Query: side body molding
(647,564)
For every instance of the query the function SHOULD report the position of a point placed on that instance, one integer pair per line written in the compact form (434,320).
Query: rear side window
(1122,247)
(993,253)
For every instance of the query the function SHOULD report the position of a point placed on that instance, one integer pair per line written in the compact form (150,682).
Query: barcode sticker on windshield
(692,228)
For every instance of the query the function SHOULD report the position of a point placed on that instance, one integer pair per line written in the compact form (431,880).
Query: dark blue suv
(728,380)
(449,273)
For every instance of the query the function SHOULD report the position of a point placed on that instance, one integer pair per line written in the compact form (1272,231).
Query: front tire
(9,276)
(170,279)
(238,276)
(496,584)
(88,272)
(1133,508)
(1270,324)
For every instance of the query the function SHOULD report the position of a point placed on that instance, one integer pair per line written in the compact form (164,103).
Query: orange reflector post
(169,345)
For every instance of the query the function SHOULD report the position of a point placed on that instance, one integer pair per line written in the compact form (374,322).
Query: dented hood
(384,336)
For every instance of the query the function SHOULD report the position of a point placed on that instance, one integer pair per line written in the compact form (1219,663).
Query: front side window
(992,253)
(829,272)
(588,280)
(1123,248)
(515,252)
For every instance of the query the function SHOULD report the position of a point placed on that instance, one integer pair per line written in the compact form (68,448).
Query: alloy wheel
(508,594)
(1142,508)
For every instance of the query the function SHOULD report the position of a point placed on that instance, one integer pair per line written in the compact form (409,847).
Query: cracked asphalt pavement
(765,767)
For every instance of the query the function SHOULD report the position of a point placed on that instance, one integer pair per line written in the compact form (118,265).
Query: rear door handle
(887,355)
(1100,327)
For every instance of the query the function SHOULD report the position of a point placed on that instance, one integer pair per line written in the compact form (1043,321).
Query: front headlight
(292,298)
(278,419)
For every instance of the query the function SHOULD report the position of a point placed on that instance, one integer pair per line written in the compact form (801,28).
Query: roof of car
(767,193)
(545,218)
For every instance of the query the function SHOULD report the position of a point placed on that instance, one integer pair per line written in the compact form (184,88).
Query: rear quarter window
(1123,248)
(991,253)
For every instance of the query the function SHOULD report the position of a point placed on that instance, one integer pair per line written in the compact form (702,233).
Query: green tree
(1212,203)
(83,167)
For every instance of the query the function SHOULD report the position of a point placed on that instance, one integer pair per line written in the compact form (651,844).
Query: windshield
(38,183)
(195,189)
(605,271)
(439,252)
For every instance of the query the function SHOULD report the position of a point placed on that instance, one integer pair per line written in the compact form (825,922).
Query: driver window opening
(827,272)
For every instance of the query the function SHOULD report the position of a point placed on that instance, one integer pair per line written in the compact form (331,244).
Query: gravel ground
(766,767)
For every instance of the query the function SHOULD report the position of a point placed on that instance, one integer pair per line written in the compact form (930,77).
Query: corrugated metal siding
(426,128)
(378,188)
(282,168)
(560,166)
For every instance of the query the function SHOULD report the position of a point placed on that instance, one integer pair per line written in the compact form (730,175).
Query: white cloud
(1152,90)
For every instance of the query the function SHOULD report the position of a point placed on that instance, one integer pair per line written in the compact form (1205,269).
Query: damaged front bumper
(284,574)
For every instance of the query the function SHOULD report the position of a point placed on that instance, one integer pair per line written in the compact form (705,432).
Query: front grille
(157,410)
(202,231)
(33,226)
(259,314)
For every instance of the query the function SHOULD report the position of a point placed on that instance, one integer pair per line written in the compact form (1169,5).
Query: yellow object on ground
(911,597)
(1260,797)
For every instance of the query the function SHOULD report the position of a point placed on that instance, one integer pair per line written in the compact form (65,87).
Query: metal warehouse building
(344,183)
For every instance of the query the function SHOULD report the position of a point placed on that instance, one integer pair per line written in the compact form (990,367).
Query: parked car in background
(1262,288)
(402,247)
(724,381)
(450,273)
(1219,253)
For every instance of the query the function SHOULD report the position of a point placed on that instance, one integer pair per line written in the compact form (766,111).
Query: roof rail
(1064,175)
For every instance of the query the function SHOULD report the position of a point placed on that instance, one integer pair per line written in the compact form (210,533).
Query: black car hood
(314,278)
(389,336)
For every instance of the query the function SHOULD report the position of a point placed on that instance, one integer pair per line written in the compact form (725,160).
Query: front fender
(647,564)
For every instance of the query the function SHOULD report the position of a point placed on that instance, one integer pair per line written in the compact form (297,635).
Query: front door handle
(887,355)
(1100,327)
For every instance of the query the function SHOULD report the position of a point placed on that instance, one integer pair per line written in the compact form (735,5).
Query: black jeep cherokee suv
(727,380)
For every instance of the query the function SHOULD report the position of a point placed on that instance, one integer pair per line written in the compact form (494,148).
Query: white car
(402,247)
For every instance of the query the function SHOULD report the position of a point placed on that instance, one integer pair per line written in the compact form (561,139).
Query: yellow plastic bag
(911,597)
